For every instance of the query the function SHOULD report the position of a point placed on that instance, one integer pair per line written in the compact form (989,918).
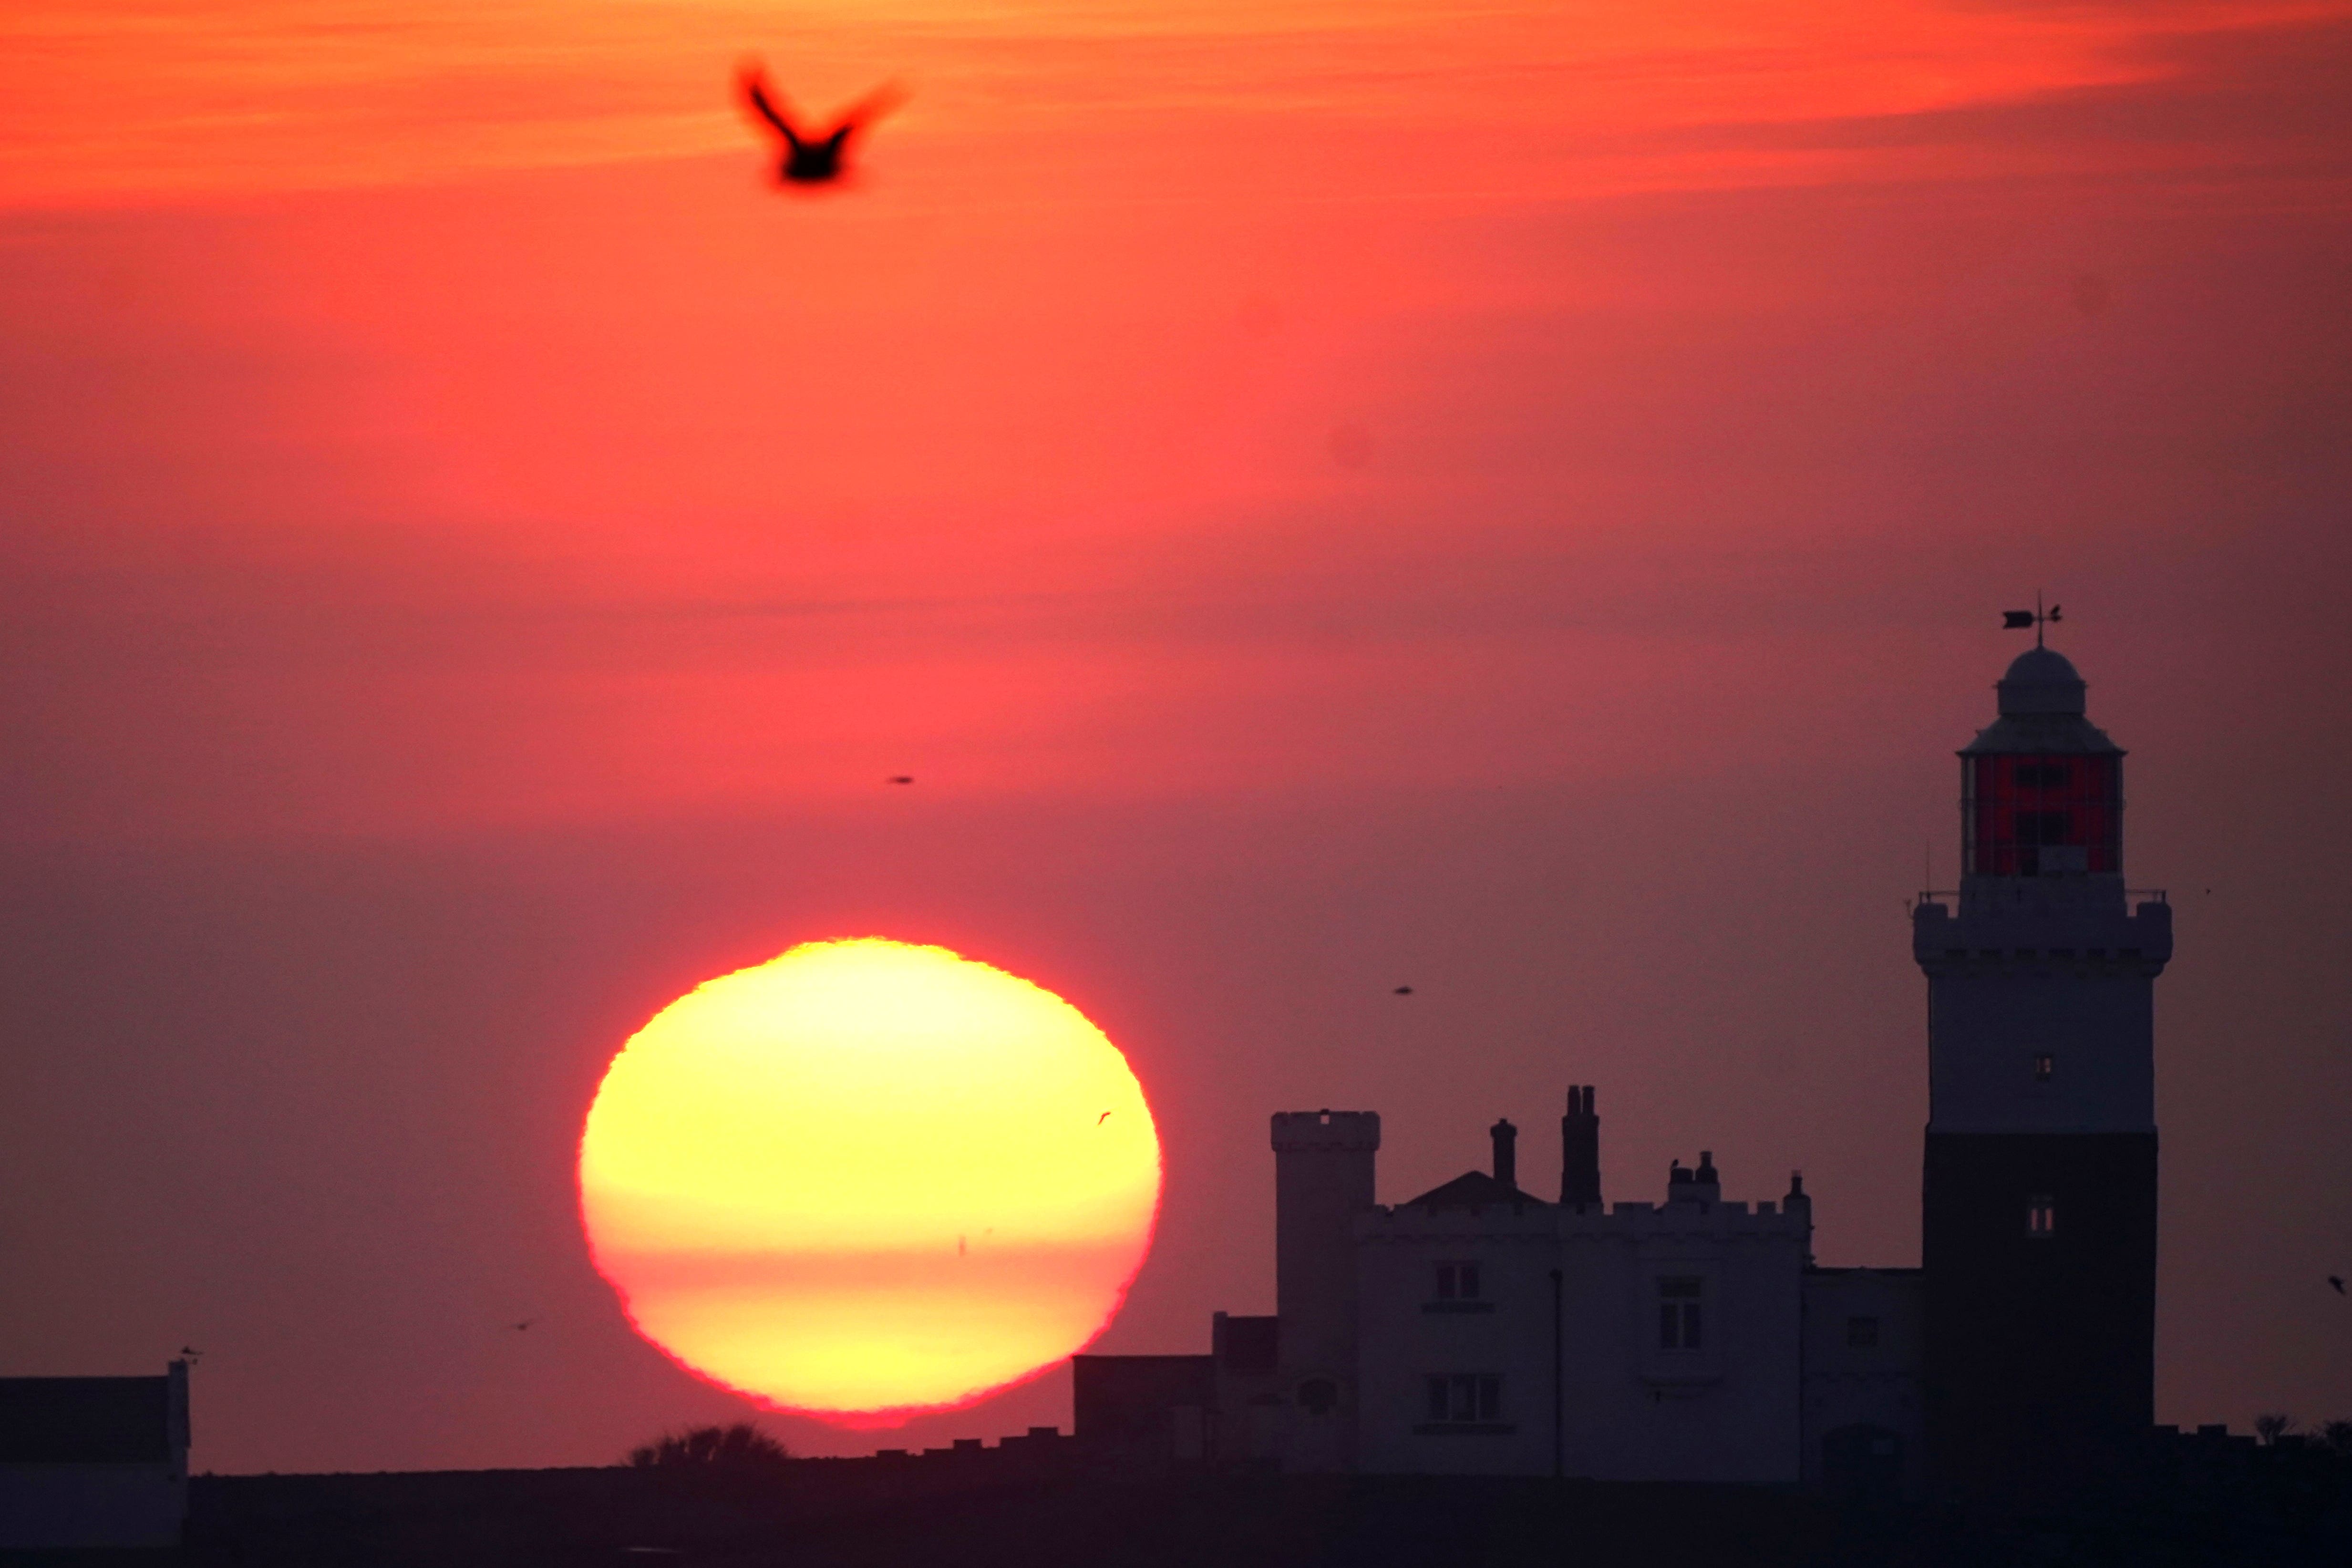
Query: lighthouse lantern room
(2041,789)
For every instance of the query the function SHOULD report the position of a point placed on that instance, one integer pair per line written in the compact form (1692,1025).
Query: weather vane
(2036,617)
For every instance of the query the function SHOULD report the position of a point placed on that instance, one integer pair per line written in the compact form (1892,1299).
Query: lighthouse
(2038,1211)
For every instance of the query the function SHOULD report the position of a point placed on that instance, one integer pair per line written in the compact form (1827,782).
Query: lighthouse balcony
(2129,930)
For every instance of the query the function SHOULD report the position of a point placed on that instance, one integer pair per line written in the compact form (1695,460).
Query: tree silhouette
(741,1446)
(2338,1435)
(2271,1428)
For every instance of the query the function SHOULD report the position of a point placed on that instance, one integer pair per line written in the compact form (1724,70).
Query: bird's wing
(768,106)
(872,107)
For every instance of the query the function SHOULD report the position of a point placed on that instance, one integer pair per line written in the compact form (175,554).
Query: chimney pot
(1579,1150)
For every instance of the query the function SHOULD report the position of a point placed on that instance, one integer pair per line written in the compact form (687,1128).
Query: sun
(866,1177)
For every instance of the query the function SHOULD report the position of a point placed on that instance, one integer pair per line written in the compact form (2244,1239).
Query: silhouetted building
(1503,1334)
(1862,1353)
(1479,1329)
(1145,1411)
(93,1462)
(2039,1202)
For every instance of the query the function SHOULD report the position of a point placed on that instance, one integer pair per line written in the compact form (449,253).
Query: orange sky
(1513,495)
(112,103)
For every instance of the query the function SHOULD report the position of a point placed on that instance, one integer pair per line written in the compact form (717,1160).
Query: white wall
(1990,1016)
(1631,1410)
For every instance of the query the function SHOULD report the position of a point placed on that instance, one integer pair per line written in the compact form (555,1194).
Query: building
(2038,1233)
(90,1462)
(1504,1334)
(1480,1329)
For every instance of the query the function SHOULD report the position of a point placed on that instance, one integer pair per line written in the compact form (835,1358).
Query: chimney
(1799,1204)
(1507,1153)
(1579,1150)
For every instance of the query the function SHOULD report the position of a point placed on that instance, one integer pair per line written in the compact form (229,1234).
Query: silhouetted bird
(902,778)
(524,1324)
(815,159)
(2336,1280)
(192,1354)
(1404,990)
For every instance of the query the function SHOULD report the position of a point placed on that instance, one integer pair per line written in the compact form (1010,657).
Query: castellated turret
(1323,1171)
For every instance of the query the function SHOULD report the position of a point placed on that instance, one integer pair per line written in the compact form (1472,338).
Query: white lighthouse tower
(2039,1200)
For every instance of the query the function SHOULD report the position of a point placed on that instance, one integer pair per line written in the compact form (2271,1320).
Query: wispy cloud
(119,101)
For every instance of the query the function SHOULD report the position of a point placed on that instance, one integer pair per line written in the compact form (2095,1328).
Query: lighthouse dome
(2041,680)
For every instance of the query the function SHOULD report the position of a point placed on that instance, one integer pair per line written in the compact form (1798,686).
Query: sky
(1512,501)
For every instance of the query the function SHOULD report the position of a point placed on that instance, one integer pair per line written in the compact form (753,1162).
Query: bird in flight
(524,1324)
(192,1353)
(812,159)
(2336,1280)
(902,778)
(1404,991)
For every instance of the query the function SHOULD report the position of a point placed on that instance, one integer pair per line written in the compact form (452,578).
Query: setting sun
(866,1176)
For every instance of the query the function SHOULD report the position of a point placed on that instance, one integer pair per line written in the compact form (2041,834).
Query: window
(2041,1215)
(1459,1397)
(2040,816)
(2044,1067)
(1680,1324)
(1862,1333)
(1457,1281)
(2042,827)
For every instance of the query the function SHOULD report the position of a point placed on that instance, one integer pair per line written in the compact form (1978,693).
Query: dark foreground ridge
(2209,1502)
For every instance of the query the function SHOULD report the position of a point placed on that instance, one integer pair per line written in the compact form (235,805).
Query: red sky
(1321,498)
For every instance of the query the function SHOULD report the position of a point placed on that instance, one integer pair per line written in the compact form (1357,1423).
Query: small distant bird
(902,778)
(1103,1118)
(192,1354)
(815,159)
(2336,1280)
(521,1326)
(1404,991)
